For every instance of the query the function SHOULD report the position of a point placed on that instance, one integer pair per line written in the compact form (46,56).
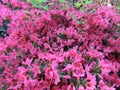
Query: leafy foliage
(39,3)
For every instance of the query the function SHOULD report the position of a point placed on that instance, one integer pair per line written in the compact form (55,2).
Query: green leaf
(28,0)
(32,1)
(82,8)
(35,44)
(63,36)
(1,70)
(39,1)
(77,4)
(62,1)
(77,87)
(42,66)
(45,7)
(118,7)
(87,2)
(38,4)
(2,29)
(45,1)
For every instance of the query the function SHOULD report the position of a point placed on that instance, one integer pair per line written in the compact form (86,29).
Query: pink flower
(1,22)
(15,3)
(44,85)
(67,77)
(56,78)
(2,46)
(34,37)
(5,13)
(40,36)
(81,88)
(95,54)
(68,67)
(5,1)
(27,62)
(103,86)
(22,70)
(56,88)
(36,70)
(21,78)
(91,84)
(64,87)
(19,15)
(52,74)
(106,66)
(46,45)
(48,73)
(71,87)
(78,70)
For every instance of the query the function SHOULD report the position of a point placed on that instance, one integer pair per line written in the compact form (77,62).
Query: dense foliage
(59,49)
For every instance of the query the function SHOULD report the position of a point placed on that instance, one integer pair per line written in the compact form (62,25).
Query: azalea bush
(59,49)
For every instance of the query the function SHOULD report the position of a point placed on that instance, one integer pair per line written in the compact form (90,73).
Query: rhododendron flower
(27,62)
(36,70)
(67,77)
(56,88)
(56,78)
(63,49)
(106,12)
(2,47)
(106,66)
(15,3)
(33,37)
(44,85)
(53,75)
(12,88)
(103,86)
(21,78)
(21,70)
(91,81)
(47,46)
(49,73)
(95,54)
(77,72)
(1,22)
(81,88)
(26,84)
(68,67)
(10,42)
(5,1)
(19,15)
(71,87)
(5,12)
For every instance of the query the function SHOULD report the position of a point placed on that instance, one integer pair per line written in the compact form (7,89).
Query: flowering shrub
(59,49)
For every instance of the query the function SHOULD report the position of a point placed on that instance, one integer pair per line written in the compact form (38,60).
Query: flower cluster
(59,49)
